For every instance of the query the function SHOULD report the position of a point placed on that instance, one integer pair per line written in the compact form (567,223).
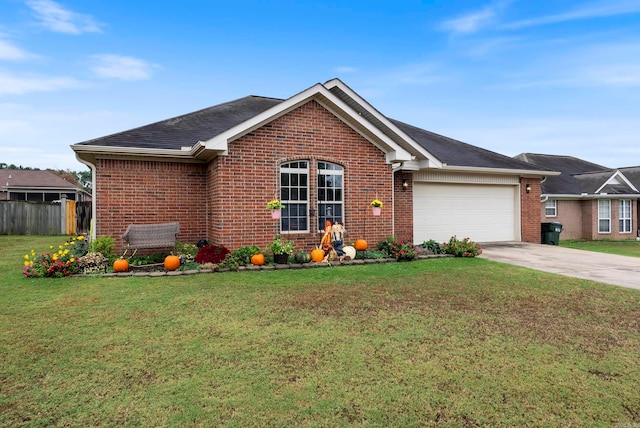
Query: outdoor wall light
(527,188)
(405,184)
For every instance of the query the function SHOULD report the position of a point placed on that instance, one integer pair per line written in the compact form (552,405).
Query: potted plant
(281,249)
(275,206)
(376,205)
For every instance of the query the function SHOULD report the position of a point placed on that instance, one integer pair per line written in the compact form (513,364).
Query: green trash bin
(551,233)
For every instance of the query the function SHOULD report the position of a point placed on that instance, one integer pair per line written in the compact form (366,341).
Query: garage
(483,213)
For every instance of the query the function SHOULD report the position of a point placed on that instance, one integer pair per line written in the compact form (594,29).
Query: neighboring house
(591,201)
(326,153)
(37,186)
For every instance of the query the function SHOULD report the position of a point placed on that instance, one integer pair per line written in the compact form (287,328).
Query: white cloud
(10,52)
(593,10)
(109,66)
(19,85)
(478,20)
(470,23)
(60,20)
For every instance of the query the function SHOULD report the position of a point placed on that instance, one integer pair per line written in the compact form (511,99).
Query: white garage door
(483,213)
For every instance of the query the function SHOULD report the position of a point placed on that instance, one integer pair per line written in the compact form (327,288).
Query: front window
(294,194)
(551,208)
(330,193)
(604,216)
(625,216)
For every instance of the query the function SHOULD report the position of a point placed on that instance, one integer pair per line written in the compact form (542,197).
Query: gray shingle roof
(566,183)
(202,125)
(188,129)
(457,153)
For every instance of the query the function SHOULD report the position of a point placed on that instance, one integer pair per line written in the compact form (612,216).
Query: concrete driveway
(607,268)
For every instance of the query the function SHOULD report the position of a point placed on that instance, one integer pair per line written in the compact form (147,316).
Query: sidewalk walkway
(606,268)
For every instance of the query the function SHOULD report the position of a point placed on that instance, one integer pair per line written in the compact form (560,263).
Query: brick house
(326,153)
(590,200)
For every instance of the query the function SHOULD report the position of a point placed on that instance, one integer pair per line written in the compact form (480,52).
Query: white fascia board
(587,196)
(521,172)
(328,100)
(417,165)
(435,162)
(130,151)
(619,175)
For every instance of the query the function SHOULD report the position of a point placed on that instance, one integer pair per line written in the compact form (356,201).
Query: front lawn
(622,248)
(446,342)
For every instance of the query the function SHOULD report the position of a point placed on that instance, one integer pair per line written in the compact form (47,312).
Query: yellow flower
(55,257)
(51,247)
(33,253)
(65,244)
(60,246)
(27,263)
(80,238)
(26,256)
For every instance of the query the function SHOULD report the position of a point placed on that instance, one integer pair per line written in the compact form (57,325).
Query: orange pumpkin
(317,255)
(171,262)
(120,265)
(257,259)
(361,245)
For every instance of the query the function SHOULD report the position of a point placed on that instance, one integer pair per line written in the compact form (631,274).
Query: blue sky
(559,77)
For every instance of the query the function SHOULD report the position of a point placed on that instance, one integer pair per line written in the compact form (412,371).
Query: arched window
(330,193)
(294,194)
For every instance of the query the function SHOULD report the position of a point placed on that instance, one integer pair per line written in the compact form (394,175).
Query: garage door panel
(483,213)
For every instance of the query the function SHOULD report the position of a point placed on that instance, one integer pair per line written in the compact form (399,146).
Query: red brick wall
(136,191)
(243,182)
(403,205)
(530,210)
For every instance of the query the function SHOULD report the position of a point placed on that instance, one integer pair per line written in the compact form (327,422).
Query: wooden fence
(44,218)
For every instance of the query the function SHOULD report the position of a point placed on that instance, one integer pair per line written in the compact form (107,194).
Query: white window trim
(602,217)
(551,204)
(339,172)
(298,170)
(621,213)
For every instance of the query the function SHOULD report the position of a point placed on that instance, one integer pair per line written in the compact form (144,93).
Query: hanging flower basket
(376,206)
(275,206)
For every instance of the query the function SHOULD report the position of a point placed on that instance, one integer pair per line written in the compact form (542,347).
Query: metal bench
(159,235)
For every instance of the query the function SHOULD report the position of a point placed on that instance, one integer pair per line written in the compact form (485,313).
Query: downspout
(395,167)
(94,210)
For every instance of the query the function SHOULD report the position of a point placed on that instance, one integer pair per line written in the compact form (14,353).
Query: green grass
(622,248)
(448,342)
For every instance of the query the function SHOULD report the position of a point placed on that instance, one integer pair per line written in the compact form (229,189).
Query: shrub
(464,248)
(102,244)
(386,244)
(211,254)
(187,251)
(398,250)
(240,257)
(432,246)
